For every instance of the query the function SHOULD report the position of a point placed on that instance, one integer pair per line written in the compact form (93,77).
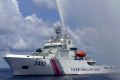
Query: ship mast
(58,31)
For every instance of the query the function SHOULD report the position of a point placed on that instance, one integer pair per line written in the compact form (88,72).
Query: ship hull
(29,66)
(33,65)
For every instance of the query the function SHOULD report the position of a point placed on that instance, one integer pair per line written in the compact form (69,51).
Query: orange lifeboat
(81,54)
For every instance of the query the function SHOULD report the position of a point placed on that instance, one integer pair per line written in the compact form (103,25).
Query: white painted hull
(17,63)
(56,67)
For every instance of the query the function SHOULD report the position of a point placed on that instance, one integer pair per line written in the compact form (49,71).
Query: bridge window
(73,48)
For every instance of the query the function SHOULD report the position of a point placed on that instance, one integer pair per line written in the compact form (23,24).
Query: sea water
(6,74)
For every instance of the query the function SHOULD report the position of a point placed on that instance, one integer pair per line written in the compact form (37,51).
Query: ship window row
(52,46)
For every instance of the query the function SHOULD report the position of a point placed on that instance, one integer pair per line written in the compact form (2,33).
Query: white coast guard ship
(57,57)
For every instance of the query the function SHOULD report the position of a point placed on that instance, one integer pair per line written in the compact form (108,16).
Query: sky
(27,24)
(93,24)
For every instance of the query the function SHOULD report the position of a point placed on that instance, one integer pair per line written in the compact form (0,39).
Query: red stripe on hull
(55,67)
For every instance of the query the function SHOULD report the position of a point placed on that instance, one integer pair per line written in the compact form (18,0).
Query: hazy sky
(95,24)
(27,23)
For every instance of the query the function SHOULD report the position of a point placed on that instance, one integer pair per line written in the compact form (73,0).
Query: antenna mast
(58,31)
(7,47)
(60,11)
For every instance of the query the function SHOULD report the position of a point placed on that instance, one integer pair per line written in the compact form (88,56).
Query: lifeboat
(80,53)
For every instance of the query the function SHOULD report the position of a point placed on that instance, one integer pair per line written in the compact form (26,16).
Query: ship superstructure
(59,56)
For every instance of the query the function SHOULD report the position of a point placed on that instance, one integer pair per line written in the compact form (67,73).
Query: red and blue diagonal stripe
(57,67)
